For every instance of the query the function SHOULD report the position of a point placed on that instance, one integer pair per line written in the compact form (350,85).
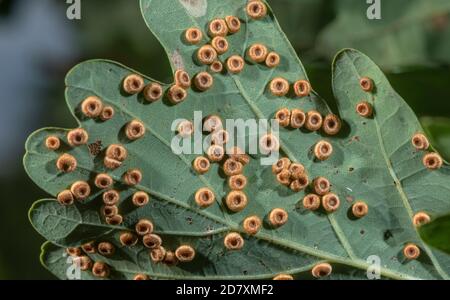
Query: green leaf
(409,33)
(437,233)
(373,160)
(439,131)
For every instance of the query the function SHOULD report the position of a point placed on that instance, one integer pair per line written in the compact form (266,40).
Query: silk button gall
(252,225)
(133,84)
(193,35)
(256,9)
(278,217)
(233,241)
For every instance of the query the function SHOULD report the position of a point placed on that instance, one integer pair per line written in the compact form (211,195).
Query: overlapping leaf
(373,160)
(439,131)
(408,33)
(436,233)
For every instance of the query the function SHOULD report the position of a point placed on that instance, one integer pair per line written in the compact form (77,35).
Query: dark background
(38,45)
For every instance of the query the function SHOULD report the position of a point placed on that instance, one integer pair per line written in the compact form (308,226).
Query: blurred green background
(38,45)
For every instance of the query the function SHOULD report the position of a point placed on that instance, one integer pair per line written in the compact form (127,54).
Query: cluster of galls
(295,176)
(209,54)
(143,232)
(217,45)
(237,200)
(115,155)
(216,152)
(235,161)
(233,168)
(312,120)
(218,30)
(81,259)
(288,173)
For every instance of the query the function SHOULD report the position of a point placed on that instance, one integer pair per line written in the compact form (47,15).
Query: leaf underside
(373,160)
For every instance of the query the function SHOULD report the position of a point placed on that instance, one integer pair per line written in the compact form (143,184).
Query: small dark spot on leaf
(362,232)
(356,138)
(245,272)
(95,148)
(387,235)
(351,169)
(189,220)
